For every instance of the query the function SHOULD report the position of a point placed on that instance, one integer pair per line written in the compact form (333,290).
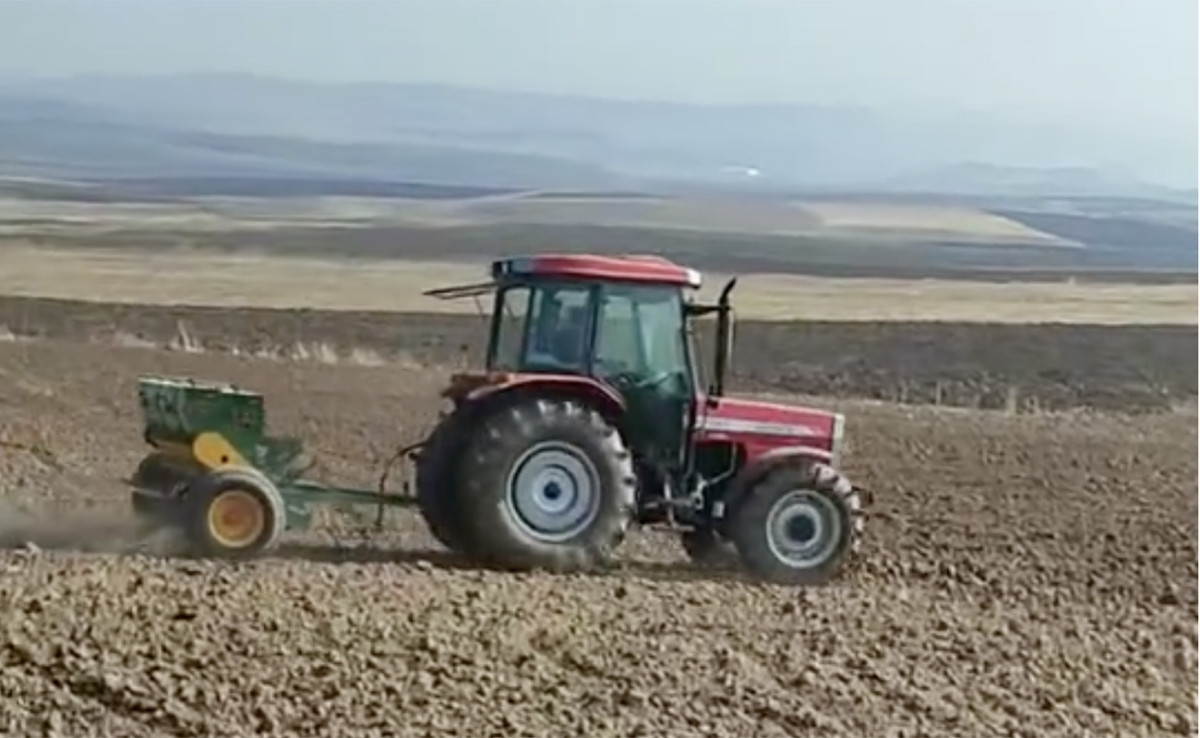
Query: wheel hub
(553,492)
(236,518)
(803,529)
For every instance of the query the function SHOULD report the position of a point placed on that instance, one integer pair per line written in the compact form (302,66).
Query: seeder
(588,418)
(215,474)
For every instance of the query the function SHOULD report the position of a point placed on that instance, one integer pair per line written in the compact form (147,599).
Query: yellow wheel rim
(236,518)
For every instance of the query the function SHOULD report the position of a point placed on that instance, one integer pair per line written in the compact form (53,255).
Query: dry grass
(942,221)
(698,214)
(778,297)
(266,281)
(899,222)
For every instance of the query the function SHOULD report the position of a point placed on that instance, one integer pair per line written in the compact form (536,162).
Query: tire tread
(748,522)
(501,437)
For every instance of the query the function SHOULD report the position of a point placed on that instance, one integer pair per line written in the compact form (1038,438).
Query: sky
(1129,64)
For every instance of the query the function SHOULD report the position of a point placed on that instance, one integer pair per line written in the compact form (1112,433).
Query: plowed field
(1025,575)
(1018,367)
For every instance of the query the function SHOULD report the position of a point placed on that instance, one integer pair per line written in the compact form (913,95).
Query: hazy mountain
(222,125)
(978,178)
(46,137)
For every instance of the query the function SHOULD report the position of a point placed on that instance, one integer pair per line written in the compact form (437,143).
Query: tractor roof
(632,268)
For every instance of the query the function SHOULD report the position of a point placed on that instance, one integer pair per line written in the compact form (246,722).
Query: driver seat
(567,345)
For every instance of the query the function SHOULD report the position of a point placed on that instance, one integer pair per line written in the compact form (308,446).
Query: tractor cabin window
(640,333)
(512,309)
(544,327)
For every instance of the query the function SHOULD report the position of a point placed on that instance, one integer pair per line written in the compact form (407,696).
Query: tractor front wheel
(234,513)
(545,484)
(797,525)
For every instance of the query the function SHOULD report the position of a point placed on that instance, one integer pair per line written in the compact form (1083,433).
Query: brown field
(1024,574)
(179,277)
(832,219)
(1015,367)
(1030,568)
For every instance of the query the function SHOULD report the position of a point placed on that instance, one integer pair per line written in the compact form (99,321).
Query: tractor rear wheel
(436,486)
(797,525)
(546,484)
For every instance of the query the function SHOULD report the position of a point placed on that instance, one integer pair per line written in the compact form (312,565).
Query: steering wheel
(636,382)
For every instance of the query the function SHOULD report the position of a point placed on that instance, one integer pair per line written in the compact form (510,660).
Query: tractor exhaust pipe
(724,347)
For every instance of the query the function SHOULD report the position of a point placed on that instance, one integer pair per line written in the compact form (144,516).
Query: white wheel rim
(553,492)
(804,529)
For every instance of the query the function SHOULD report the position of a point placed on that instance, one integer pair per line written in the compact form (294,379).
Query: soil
(1020,368)
(1023,575)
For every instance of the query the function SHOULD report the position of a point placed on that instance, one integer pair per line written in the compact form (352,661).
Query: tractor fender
(595,394)
(758,468)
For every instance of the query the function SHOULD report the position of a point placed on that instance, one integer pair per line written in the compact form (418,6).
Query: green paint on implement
(175,411)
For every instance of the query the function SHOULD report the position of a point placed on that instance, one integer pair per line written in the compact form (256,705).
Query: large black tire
(162,473)
(436,487)
(545,484)
(156,482)
(206,490)
(797,525)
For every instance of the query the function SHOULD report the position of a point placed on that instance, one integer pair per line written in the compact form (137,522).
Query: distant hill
(46,138)
(939,186)
(240,125)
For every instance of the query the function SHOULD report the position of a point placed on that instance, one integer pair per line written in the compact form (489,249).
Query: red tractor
(591,416)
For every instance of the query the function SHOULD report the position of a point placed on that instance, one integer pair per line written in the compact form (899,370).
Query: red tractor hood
(770,423)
